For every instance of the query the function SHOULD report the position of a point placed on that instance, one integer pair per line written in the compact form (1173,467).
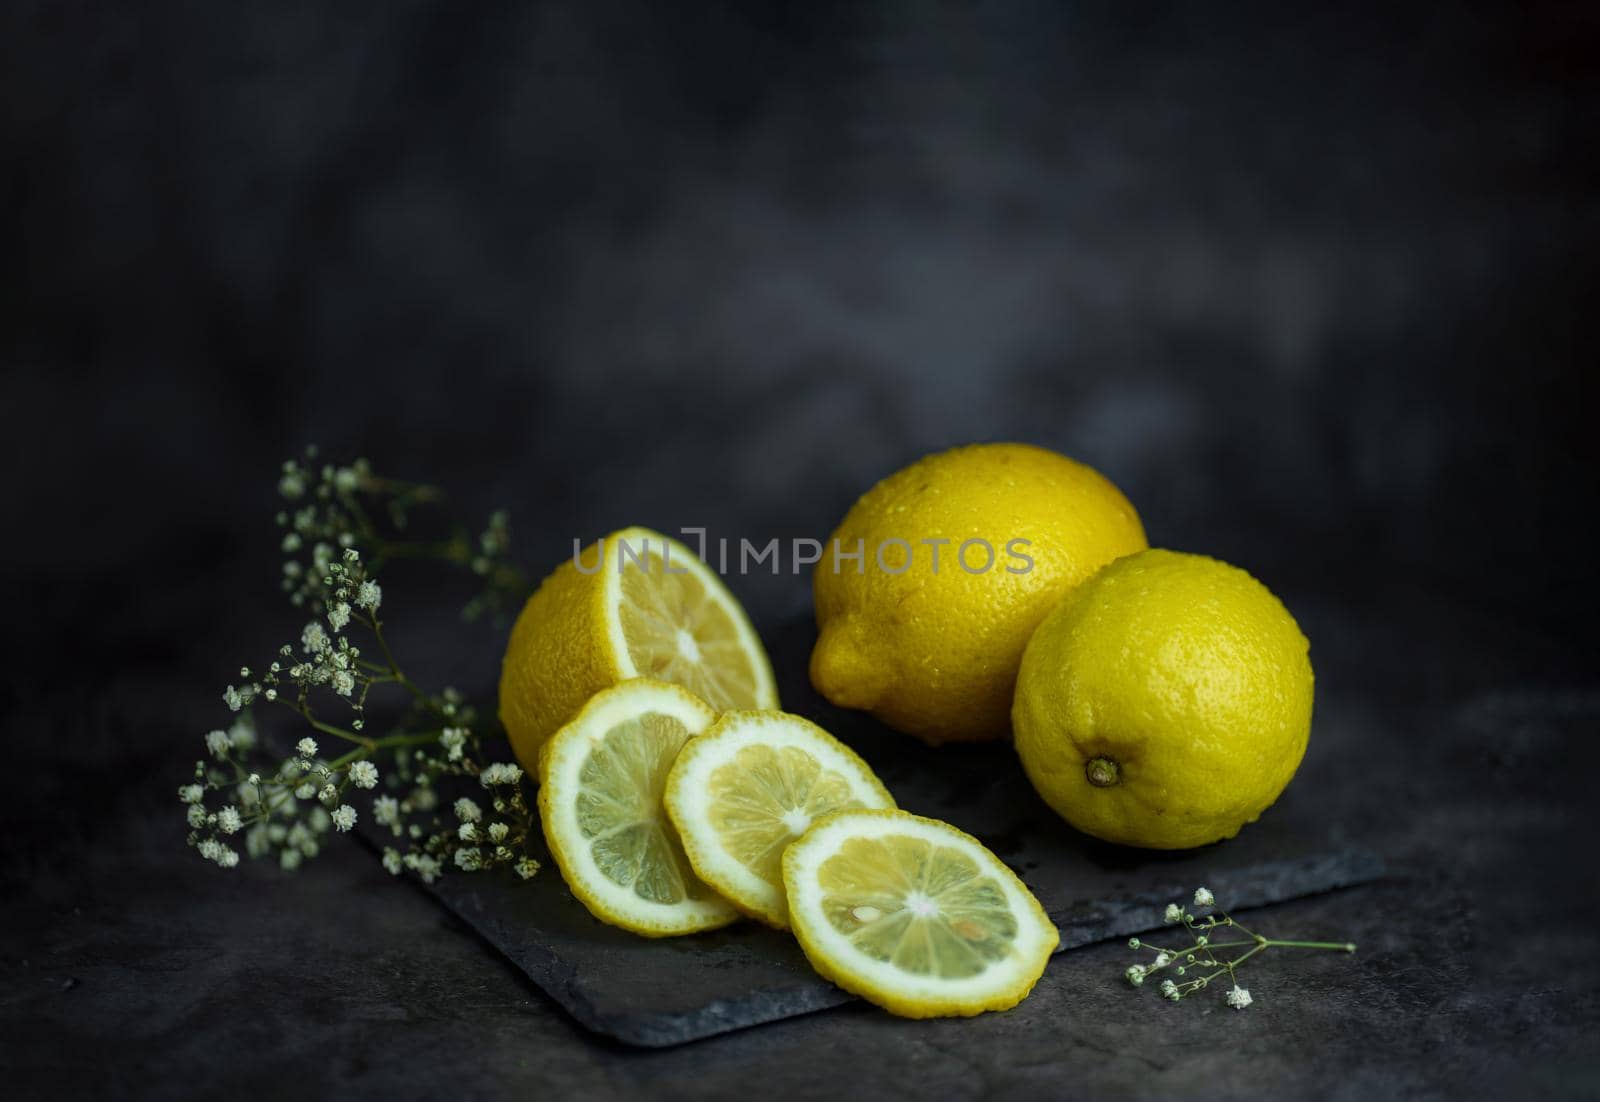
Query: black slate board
(659,992)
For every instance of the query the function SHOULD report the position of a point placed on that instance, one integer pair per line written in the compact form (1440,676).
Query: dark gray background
(1312,289)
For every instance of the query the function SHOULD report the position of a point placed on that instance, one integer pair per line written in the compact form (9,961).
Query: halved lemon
(914,915)
(600,784)
(633,604)
(753,783)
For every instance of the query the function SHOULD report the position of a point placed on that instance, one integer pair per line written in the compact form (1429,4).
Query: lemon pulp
(926,909)
(676,630)
(620,815)
(754,782)
(602,778)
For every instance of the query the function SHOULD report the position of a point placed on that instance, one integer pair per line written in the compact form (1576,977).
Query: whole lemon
(1165,703)
(961,555)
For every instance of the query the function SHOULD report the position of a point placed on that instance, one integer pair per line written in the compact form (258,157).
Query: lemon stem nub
(1102,772)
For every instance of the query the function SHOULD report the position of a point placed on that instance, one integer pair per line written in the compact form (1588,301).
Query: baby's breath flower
(386,811)
(313,640)
(500,773)
(369,595)
(467,811)
(453,739)
(391,861)
(424,865)
(1204,963)
(242,734)
(319,536)
(527,867)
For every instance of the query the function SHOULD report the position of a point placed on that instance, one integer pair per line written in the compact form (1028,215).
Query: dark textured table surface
(1314,290)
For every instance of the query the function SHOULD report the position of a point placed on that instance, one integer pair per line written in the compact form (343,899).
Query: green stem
(387,742)
(394,668)
(328,728)
(1336,946)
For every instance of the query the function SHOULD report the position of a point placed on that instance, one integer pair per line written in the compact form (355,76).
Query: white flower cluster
(1209,959)
(454,741)
(285,808)
(500,773)
(326,518)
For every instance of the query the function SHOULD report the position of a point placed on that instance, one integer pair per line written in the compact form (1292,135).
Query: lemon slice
(600,783)
(753,783)
(635,604)
(914,915)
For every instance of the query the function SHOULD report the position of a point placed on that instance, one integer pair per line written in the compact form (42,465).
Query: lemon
(927,636)
(601,779)
(913,915)
(753,783)
(1165,703)
(642,605)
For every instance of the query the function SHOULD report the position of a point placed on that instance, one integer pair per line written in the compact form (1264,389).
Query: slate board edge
(729,1015)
